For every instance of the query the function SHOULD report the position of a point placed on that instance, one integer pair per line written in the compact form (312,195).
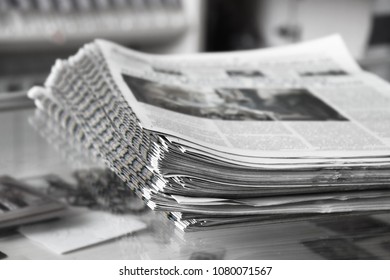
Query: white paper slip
(82,230)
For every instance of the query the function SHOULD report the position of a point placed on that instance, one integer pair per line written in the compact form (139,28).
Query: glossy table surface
(25,155)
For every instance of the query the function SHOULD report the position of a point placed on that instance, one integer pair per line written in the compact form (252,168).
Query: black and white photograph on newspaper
(238,104)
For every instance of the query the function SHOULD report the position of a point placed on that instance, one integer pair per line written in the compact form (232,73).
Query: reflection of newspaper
(309,99)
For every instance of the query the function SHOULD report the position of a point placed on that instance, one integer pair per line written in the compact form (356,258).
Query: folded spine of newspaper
(224,139)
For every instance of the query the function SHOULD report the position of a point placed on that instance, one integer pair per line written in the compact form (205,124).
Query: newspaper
(219,139)
(307,100)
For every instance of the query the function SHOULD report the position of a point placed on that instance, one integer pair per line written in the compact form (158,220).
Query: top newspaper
(309,100)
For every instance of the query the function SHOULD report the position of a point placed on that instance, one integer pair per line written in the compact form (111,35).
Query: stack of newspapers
(228,139)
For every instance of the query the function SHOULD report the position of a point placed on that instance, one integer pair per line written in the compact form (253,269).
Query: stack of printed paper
(231,138)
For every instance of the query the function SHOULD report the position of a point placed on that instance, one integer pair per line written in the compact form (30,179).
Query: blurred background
(33,33)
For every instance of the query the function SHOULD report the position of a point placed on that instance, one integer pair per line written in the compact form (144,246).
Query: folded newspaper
(224,139)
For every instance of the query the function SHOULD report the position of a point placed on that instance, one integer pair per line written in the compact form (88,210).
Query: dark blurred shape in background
(232,25)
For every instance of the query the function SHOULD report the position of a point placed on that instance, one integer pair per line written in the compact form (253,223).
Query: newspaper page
(306,100)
